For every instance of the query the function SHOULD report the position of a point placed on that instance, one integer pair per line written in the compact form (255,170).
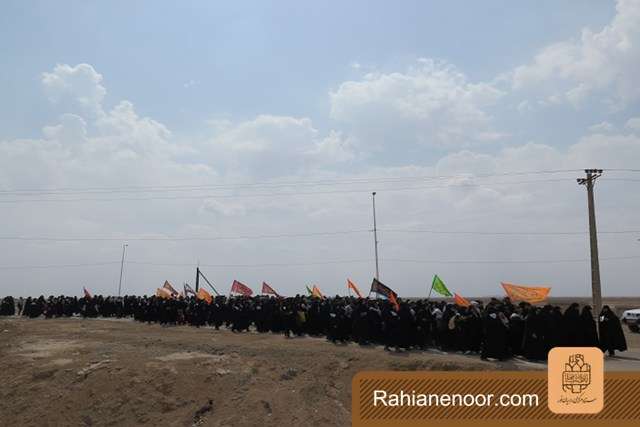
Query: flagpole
(375,234)
(124,247)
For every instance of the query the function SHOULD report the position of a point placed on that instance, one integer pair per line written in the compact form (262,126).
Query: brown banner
(492,398)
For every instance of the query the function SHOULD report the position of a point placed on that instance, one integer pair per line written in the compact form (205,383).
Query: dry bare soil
(120,372)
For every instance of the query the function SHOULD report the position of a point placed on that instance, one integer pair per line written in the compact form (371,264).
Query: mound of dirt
(106,372)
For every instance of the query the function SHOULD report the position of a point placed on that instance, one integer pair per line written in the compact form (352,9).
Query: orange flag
(163,293)
(204,295)
(461,301)
(352,286)
(316,292)
(170,288)
(530,294)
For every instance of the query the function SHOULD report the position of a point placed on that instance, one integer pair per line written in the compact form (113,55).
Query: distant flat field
(618,303)
(107,371)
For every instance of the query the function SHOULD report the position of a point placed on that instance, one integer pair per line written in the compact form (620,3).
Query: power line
(418,261)
(363,180)
(277,194)
(183,238)
(312,234)
(329,262)
(274,264)
(20,267)
(277,184)
(548,261)
(510,233)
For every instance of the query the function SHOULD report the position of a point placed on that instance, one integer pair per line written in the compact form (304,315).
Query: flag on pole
(170,288)
(188,290)
(530,294)
(439,286)
(87,295)
(316,292)
(352,286)
(309,290)
(379,288)
(164,293)
(461,301)
(241,288)
(204,295)
(266,289)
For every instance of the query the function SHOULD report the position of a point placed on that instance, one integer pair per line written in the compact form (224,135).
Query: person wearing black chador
(571,323)
(534,343)
(588,336)
(496,336)
(611,335)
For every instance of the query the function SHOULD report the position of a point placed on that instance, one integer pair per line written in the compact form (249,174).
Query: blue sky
(249,58)
(112,94)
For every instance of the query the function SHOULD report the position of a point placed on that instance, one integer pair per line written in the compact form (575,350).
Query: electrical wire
(312,234)
(363,180)
(329,262)
(277,194)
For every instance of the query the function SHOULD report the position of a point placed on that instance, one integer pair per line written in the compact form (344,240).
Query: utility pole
(596,291)
(124,247)
(197,276)
(375,234)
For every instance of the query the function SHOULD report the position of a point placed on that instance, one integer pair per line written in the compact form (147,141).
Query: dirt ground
(120,372)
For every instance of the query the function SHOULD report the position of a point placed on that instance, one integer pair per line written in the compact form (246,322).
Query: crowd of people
(497,329)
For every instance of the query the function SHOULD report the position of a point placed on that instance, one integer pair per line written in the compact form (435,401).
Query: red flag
(266,289)
(461,301)
(241,288)
(351,285)
(86,293)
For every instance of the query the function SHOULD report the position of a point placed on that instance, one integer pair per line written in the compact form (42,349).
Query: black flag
(379,288)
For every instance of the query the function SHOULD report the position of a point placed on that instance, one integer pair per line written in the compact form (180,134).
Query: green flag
(310,291)
(439,286)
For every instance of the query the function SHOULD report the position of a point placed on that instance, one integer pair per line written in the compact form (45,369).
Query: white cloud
(601,127)
(524,106)
(334,148)
(429,104)
(77,88)
(72,129)
(606,62)
(191,83)
(121,129)
(274,146)
(605,151)
(633,123)
(121,148)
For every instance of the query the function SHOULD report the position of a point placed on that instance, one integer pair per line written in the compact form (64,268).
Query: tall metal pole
(375,235)
(596,291)
(124,247)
